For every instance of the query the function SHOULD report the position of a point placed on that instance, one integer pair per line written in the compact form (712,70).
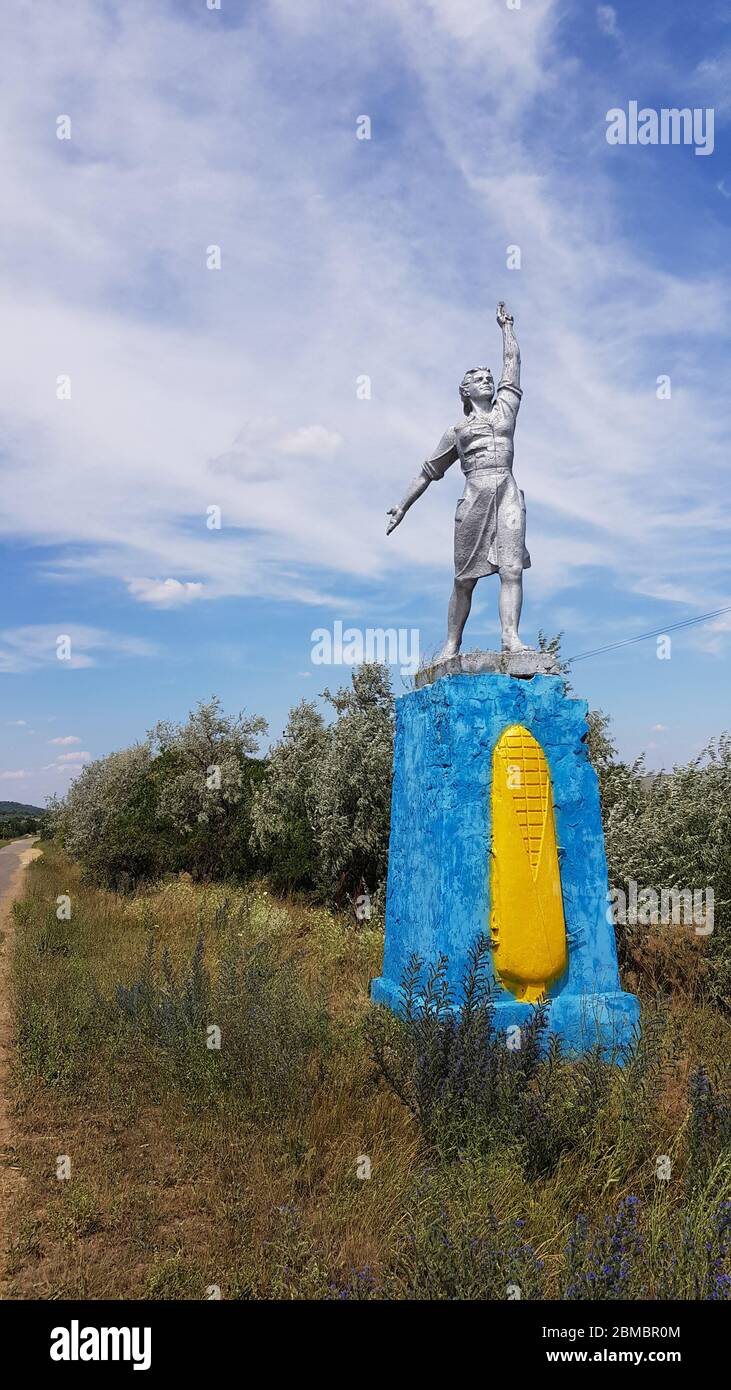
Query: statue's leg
(511,602)
(459,611)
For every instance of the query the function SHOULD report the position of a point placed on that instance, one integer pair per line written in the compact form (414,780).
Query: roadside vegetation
(328,1149)
(195,1039)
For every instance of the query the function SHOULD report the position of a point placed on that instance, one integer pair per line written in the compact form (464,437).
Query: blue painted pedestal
(439,858)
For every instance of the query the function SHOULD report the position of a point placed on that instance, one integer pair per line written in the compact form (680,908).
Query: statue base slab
(523,665)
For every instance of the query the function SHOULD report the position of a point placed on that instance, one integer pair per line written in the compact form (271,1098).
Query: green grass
(237,1167)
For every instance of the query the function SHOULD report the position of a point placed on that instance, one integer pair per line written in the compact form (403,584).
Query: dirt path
(13,859)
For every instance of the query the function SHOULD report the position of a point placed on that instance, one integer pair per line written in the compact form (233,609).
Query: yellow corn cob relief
(526,918)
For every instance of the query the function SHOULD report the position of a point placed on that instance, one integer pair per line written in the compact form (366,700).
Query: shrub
(693,1263)
(284,804)
(674,830)
(272,1035)
(466,1085)
(448,1255)
(605,1264)
(322,813)
(353,786)
(97,794)
(205,774)
(194,797)
(180,801)
(709,1127)
(618,1259)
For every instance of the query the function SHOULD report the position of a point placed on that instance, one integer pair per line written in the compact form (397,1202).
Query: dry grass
(169,1196)
(179,1183)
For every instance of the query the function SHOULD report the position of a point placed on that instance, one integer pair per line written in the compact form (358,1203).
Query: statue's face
(478,385)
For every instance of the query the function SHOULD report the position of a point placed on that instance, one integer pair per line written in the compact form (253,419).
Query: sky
(229,295)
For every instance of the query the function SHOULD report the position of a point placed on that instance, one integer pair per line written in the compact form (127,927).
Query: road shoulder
(10,1174)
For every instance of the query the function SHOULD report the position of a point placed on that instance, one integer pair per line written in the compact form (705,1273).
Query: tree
(353,787)
(284,804)
(102,820)
(322,813)
(181,800)
(206,772)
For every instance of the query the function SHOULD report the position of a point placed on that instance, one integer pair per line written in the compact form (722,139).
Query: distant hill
(18,808)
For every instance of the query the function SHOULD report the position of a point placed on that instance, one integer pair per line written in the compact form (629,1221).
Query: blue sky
(236,388)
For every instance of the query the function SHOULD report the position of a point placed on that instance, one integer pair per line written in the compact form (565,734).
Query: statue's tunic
(489,524)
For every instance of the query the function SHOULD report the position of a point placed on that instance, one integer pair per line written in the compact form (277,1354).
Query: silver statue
(489,525)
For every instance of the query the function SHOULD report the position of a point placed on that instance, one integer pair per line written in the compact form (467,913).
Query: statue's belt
(487,468)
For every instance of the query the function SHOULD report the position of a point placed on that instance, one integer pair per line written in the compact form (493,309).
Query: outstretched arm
(511,351)
(417,485)
(434,468)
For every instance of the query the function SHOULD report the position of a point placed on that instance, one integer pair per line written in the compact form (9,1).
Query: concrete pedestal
(439,877)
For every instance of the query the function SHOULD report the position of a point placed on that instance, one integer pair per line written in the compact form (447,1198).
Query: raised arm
(434,468)
(511,351)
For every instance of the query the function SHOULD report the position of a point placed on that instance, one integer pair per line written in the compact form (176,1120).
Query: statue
(489,524)
(495,815)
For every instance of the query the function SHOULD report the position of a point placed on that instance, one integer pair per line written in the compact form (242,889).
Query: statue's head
(477,386)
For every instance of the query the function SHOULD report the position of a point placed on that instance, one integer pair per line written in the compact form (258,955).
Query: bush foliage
(313,816)
(196,797)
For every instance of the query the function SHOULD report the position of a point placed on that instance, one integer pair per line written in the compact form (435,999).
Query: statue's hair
(466,402)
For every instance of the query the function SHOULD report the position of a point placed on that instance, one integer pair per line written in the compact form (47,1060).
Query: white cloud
(606,18)
(67,739)
(383,258)
(311,441)
(13,776)
(32,647)
(77,757)
(164,593)
(712,80)
(712,637)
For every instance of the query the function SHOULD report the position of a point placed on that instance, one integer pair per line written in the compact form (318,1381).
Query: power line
(645,636)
